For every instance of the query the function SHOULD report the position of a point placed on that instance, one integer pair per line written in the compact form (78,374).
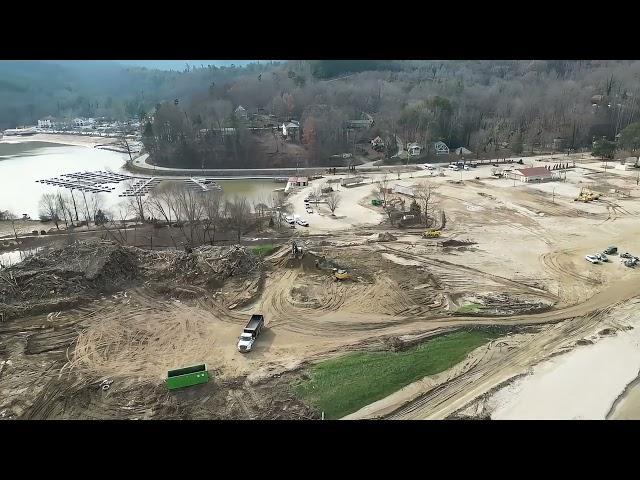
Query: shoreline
(71,140)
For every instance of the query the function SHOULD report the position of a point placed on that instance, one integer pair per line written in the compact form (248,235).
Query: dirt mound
(76,270)
(386,237)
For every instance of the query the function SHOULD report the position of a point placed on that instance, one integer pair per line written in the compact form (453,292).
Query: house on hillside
(441,148)
(240,112)
(532,174)
(377,144)
(462,151)
(83,122)
(46,122)
(414,149)
(291,130)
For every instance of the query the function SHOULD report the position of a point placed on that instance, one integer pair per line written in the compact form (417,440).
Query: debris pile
(457,243)
(68,272)
(204,265)
(386,237)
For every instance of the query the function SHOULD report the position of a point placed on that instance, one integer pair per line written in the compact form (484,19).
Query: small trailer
(187,377)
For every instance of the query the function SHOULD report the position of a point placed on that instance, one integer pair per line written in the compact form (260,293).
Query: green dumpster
(376,202)
(187,377)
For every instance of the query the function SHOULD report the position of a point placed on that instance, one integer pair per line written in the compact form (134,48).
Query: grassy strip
(264,250)
(469,308)
(343,385)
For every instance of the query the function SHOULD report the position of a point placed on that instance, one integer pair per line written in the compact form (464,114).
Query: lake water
(21,164)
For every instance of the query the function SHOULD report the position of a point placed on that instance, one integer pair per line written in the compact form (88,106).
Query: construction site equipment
(187,377)
(586,195)
(341,275)
(432,234)
(250,333)
(611,250)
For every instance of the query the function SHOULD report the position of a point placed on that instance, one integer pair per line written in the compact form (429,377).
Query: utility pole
(553,198)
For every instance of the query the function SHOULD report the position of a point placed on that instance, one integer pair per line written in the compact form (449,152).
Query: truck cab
(250,333)
(245,342)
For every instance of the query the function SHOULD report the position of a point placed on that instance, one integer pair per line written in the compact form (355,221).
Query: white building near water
(83,122)
(45,123)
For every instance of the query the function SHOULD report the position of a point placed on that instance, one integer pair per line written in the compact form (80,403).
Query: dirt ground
(519,257)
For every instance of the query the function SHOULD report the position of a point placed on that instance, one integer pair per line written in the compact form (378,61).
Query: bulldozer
(340,275)
(432,234)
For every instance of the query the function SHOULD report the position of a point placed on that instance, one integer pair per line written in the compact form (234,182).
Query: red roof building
(532,174)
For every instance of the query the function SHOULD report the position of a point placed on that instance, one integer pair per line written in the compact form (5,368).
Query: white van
(454,168)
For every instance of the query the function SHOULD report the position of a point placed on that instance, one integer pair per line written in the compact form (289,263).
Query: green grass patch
(343,385)
(469,308)
(264,250)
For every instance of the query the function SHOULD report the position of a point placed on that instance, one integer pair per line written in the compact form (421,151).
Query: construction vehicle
(611,250)
(340,275)
(432,234)
(586,195)
(250,333)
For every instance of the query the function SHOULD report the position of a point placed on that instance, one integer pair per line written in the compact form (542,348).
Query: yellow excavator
(432,234)
(339,275)
(586,195)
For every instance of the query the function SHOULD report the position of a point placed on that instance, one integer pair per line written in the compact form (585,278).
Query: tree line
(485,106)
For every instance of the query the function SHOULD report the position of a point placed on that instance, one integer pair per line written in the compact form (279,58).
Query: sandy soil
(350,213)
(521,248)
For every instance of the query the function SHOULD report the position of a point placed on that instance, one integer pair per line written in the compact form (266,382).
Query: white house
(291,129)
(462,151)
(414,149)
(83,122)
(441,148)
(45,123)
(240,112)
(532,174)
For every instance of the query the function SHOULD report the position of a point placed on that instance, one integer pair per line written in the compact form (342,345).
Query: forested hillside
(485,106)
(30,90)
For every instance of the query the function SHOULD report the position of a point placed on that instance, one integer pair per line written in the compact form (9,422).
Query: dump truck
(187,377)
(432,234)
(250,333)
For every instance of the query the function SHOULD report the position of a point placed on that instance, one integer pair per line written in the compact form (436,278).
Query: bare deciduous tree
(333,201)
(381,190)
(426,197)
(238,212)
(211,202)
(49,209)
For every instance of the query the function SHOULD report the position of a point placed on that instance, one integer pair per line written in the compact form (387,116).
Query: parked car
(303,222)
(592,259)
(454,168)
(466,167)
(626,255)
(309,210)
(602,257)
